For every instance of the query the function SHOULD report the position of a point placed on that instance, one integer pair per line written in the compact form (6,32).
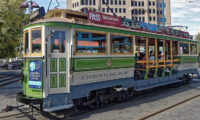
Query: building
(149,11)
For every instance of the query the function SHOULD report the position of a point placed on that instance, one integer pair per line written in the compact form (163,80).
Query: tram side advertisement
(35,69)
(100,18)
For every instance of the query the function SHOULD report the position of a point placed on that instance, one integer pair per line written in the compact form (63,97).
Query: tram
(72,59)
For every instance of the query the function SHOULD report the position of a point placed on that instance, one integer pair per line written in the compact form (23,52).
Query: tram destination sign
(99,18)
(35,69)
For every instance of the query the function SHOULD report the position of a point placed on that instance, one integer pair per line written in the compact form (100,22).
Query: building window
(139,12)
(161,12)
(149,3)
(143,11)
(120,2)
(149,10)
(107,10)
(132,11)
(139,3)
(135,3)
(124,2)
(103,10)
(142,3)
(136,11)
(132,17)
(111,9)
(132,3)
(143,19)
(90,2)
(107,2)
(154,18)
(150,19)
(124,10)
(136,19)
(73,5)
(121,44)
(94,2)
(86,2)
(154,10)
(116,10)
(140,19)
(115,2)
(82,2)
(120,10)
(153,3)
(77,4)
(58,42)
(103,2)
(111,2)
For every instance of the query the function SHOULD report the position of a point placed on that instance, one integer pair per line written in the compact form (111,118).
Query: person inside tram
(151,56)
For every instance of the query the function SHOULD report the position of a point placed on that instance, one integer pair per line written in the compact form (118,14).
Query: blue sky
(183,12)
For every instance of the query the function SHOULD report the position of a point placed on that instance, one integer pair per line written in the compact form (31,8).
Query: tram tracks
(168,108)
(7,80)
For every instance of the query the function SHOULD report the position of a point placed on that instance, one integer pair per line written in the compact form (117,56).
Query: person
(151,56)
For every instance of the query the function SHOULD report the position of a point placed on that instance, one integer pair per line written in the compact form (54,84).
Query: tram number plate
(35,69)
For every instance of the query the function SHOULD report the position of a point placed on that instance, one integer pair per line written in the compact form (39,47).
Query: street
(131,110)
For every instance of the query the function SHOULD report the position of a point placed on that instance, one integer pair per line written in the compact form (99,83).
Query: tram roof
(84,24)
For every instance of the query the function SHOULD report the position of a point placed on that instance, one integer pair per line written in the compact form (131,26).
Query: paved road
(135,109)
(9,86)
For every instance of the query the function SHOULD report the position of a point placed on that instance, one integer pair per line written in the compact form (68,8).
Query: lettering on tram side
(100,18)
(35,69)
(102,75)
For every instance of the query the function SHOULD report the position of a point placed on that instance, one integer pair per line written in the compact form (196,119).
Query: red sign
(99,18)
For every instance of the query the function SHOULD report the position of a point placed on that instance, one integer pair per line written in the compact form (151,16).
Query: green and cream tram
(70,61)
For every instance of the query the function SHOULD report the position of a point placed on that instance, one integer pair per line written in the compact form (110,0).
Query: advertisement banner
(35,74)
(99,18)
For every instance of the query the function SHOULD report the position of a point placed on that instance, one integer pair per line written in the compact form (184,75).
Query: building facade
(149,11)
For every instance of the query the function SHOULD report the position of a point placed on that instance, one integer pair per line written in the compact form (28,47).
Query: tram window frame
(93,32)
(26,42)
(191,49)
(182,53)
(123,35)
(31,45)
(175,48)
(61,47)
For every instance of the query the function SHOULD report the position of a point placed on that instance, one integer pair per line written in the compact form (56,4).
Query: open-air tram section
(73,60)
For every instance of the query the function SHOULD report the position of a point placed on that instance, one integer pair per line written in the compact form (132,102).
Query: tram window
(193,49)
(121,44)
(175,48)
(58,42)
(90,43)
(184,48)
(36,40)
(26,40)
(140,47)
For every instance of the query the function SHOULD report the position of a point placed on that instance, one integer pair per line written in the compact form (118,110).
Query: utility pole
(100,5)
(163,13)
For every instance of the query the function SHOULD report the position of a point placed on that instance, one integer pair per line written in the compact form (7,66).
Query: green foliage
(12,18)
(198,37)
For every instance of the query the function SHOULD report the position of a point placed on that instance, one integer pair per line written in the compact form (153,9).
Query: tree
(11,18)
(198,39)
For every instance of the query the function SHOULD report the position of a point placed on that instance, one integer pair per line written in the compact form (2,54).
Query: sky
(183,12)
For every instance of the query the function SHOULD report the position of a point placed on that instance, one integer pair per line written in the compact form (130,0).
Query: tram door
(58,61)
